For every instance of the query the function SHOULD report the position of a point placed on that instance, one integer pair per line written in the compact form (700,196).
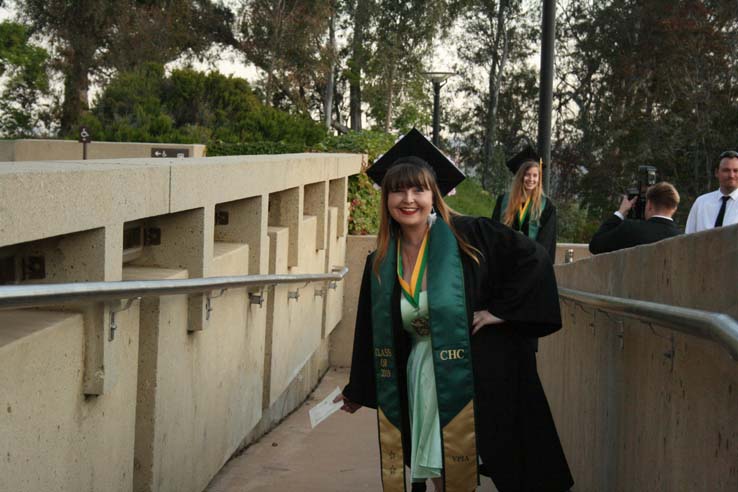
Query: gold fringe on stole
(390,449)
(460,451)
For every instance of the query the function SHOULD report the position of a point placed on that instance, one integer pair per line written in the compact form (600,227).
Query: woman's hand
(484,318)
(348,405)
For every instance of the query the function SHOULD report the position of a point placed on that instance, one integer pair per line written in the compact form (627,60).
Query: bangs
(407,175)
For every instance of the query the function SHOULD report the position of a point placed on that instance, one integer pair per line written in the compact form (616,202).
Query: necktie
(721,213)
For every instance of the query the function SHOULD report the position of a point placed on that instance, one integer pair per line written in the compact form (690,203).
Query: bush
(574,223)
(187,106)
(254,148)
(364,199)
(471,199)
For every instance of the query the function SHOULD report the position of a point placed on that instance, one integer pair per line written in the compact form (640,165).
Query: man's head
(661,199)
(727,172)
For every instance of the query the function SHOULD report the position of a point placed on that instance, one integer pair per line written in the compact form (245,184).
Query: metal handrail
(34,295)
(717,327)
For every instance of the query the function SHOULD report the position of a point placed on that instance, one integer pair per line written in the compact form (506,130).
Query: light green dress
(427,457)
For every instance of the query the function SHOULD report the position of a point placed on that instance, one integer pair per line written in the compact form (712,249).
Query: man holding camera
(617,232)
(718,208)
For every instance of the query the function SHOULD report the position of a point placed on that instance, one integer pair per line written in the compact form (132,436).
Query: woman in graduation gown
(487,289)
(525,208)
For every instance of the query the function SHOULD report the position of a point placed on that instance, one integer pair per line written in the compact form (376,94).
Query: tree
(90,36)
(359,12)
(23,111)
(283,38)
(498,40)
(403,34)
(647,83)
(193,107)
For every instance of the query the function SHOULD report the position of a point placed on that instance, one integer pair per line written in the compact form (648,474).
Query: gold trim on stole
(460,451)
(390,449)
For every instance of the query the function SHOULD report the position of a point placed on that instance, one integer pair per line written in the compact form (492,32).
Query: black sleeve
(521,284)
(497,211)
(547,231)
(607,238)
(361,387)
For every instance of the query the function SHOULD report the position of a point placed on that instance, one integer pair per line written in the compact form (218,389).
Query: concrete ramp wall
(161,402)
(641,407)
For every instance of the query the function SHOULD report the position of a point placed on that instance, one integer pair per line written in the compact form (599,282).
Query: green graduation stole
(533,225)
(451,360)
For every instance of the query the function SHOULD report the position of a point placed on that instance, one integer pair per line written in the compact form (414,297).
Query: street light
(438,79)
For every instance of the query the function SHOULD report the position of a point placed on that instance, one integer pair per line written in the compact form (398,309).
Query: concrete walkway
(341,454)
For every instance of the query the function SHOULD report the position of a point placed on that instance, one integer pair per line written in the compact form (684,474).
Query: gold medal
(421,326)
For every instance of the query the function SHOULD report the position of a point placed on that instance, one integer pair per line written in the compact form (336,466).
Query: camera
(646,178)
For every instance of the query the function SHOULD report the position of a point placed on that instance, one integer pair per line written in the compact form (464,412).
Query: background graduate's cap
(414,144)
(525,155)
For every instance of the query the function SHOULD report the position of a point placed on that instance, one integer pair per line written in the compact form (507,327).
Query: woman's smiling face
(530,179)
(410,206)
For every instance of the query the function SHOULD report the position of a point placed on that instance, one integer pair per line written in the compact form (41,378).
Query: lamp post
(438,79)
(545,100)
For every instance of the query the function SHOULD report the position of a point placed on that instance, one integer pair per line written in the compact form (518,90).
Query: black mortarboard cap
(525,155)
(414,144)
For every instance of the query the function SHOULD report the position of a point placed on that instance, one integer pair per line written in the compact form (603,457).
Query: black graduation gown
(546,231)
(616,233)
(517,438)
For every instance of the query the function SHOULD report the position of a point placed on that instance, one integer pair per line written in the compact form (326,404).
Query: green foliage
(364,200)
(22,108)
(364,205)
(574,224)
(93,37)
(254,148)
(471,199)
(373,143)
(397,38)
(646,83)
(145,105)
(283,39)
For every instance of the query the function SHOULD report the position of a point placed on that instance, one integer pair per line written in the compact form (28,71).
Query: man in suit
(617,232)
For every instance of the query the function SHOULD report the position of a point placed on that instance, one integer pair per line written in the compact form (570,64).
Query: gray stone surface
(340,455)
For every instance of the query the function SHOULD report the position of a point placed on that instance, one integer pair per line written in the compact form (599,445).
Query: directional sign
(84,135)
(169,152)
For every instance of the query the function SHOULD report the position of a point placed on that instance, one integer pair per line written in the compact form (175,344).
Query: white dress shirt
(622,217)
(705,210)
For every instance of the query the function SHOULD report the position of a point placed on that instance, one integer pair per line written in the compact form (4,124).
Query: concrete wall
(579,251)
(55,150)
(639,406)
(186,380)
(342,339)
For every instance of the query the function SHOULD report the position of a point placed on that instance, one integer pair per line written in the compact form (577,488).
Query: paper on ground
(325,408)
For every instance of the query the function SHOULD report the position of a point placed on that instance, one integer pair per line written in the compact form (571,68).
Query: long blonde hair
(408,175)
(518,195)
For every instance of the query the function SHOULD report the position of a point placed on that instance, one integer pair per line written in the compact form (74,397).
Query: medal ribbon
(524,211)
(412,291)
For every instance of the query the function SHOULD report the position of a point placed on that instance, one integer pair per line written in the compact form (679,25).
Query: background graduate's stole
(451,360)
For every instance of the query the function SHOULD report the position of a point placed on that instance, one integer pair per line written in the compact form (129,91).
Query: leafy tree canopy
(25,65)
(191,106)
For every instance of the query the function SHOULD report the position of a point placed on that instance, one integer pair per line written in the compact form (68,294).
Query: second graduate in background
(525,208)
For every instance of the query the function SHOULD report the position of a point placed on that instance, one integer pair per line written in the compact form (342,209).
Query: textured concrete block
(52,437)
(285,210)
(342,337)
(45,199)
(654,408)
(247,223)
(316,204)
